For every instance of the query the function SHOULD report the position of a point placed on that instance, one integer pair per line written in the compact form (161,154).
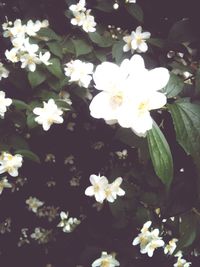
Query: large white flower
(49,114)
(4,103)
(148,240)
(79,72)
(128,94)
(3,71)
(113,190)
(98,187)
(136,41)
(10,163)
(106,260)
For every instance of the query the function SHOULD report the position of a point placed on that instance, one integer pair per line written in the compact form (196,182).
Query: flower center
(105,263)
(143,107)
(117,99)
(96,188)
(139,40)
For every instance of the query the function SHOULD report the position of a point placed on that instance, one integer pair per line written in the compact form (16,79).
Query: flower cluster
(68,224)
(148,240)
(49,114)
(10,163)
(102,190)
(79,72)
(3,71)
(23,50)
(129,92)
(106,260)
(136,41)
(4,103)
(82,17)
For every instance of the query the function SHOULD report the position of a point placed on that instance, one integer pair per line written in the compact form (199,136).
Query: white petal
(158,78)
(143,47)
(89,191)
(157,100)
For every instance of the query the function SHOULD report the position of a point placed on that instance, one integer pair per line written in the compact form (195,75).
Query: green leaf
(156,42)
(48,34)
(28,155)
(187,231)
(55,48)
(174,86)
(55,68)
(81,47)
(19,104)
(160,155)
(186,119)
(135,11)
(100,55)
(104,5)
(101,40)
(117,51)
(68,46)
(62,104)
(36,78)
(197,81)
(31,123)
(18,142)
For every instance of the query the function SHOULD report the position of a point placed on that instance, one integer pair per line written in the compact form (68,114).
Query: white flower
(30,48)
(171,246)
(89,23)
(45,58)
(79,18)
(12,55)
(68,224)
(128,94)
(182,263)
(10,163)
(122,154)
(18,30)
(4,103)
(3,71)
(34,204)
(113,190)
(130,1)
(148,240)
(80,6)
(49,114)
(79,72)
(106,260)
(4,184)
(98,187)
(30,61)
(136,41)
(33,27)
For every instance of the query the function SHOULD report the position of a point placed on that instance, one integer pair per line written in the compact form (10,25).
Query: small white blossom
(49,114)
(10,163)
(3,71)
(79,72)
(4,184)
(136,41)
(106,260)
(44,58)
(113,190)
(34,203)
(89,23)
(33,27)
(122,154)
(4,103)
(130,1)
(12,55)
(171,246)
(68,224)
(30,61)
(79,18)
(182,263)
(148,240)
(98,187)
(79,7)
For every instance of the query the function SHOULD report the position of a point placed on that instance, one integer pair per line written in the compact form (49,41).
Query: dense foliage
(47,217)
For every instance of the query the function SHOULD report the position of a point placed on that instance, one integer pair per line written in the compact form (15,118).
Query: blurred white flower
(12,55)
(148,240)
(182,263)
(128,94)
(10,163)
(34,203)
(49,114)
(79,18)
(98,187)
(102,190)
(4,103)
(79,7)
(68,224)
(3,71)
(171,246)
(130,1)
(4,184)
(106,260)
(18,29)
(30,61)
(45,58)
(33,27)
(113,190)
(79,72)
(136,41)
(89,23)
(122,154)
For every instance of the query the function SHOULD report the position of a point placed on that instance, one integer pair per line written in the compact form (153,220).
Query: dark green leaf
(81,47)
(117,51)
(101,40)
(48,34)
(55,68)
(19,104)
(160,155)
(174,86)
(197,81)
(28,154)
(31,123)
(104,5)
(55,48)
(156,42)
(135,11)
(36,78)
